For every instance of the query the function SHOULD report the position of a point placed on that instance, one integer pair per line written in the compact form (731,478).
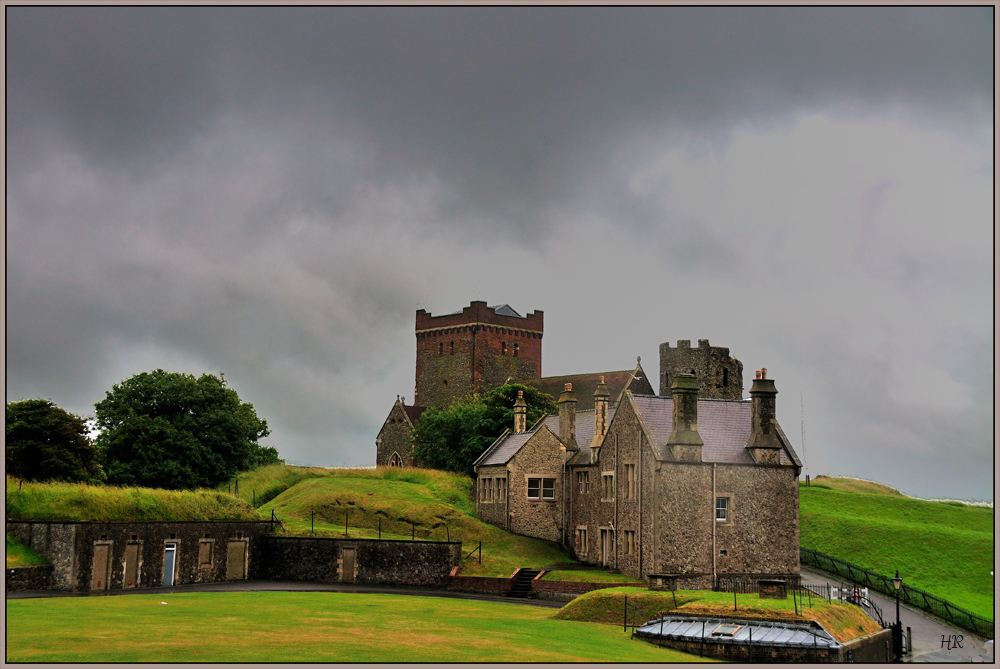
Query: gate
(347,575)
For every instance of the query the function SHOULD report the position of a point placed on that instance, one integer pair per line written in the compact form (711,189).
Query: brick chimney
(520,413)
(567,418)
(684,442)
(763,444)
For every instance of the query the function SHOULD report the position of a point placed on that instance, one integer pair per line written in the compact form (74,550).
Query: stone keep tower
(719,376)
(477,348)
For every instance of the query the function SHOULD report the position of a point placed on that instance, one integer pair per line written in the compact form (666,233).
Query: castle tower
(475,349)
(719,375)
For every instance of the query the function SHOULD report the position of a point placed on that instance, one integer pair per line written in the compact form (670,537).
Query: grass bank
(77,501)
(843,621)
(308,627)
(19,555)
(405,503)
(945,548)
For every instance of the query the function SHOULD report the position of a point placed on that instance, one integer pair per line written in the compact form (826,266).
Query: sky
(271,193)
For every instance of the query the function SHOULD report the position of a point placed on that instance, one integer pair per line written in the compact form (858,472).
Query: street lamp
(897,634)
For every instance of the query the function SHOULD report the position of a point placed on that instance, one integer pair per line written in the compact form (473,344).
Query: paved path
(927,631)
(287,586)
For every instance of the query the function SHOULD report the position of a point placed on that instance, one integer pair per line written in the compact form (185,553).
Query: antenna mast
(802,406)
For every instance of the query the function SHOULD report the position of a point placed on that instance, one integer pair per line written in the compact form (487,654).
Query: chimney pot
(520,393)
(569,386)
(758,373)
(763,372)
(602,378)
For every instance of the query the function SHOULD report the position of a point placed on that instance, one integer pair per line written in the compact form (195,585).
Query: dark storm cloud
(271,192)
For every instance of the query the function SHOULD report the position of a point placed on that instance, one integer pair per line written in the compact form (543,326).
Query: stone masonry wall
(394,437)
(33,577)
(762,533)
(384,562)
(541,457)
(493,511)
(73,561)
(684,516)
(719,375)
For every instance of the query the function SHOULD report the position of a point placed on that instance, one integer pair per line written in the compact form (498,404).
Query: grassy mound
(844,484)
(77,501)
(421,503)
(945,549)
(19,555)
(589,576)
(843,621)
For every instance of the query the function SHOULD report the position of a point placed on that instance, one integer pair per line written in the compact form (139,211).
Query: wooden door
(102,560)
(348,575)
(236,564)
(131,566)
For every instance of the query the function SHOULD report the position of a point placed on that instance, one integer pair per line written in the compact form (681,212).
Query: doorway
(169,562)
(607,541)
(131,566)
(236,564)
(102,561)
(348,573)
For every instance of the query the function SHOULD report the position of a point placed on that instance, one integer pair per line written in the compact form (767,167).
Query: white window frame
(726,507)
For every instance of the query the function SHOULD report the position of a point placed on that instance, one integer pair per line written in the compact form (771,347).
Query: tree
(452,439)
(170,430)
(46,443)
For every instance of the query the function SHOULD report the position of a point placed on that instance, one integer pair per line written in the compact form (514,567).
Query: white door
(169,556)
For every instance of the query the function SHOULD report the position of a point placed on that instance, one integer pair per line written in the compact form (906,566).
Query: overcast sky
(272,193)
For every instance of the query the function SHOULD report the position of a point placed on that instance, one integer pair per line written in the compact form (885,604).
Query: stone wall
(384,562)
(541,457)
(394,437)
(481,584)
(492,511)
(34,577)
(719,375)
(70,547)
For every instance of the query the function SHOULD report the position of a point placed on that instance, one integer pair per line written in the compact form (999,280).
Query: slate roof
(724,426)
(505,310)
(413,412)
(585,384)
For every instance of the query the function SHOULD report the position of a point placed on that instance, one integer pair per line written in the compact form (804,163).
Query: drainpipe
(712,516)
(639,496)
(614,537)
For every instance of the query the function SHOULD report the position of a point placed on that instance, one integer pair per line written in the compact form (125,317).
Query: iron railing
(913,597)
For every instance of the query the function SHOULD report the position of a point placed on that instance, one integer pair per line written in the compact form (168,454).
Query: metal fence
(913,597)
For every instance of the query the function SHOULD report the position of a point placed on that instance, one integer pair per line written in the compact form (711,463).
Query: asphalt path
(287,586)
(928,632)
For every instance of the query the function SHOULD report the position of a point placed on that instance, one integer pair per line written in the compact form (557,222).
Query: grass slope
(19,555)
(308,627)
(941,547)
(77,501)
(843,621)
(423,503)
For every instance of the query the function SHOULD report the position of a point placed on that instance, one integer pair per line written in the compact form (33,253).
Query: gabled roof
(413,412)
(505,310)
(509,443)
(724,426)
(585,384)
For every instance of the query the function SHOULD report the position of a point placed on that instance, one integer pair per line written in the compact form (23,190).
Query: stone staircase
(522,583)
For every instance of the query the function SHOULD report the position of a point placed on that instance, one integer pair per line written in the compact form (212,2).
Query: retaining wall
(34,577)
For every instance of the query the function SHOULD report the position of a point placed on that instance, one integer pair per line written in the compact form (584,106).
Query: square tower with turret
(719,375)
(475,349)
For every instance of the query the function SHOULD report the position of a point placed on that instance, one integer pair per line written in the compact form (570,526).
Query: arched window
(395,460)
(451,345)
(441,348)
(515,350)
(725,378)
(503,348)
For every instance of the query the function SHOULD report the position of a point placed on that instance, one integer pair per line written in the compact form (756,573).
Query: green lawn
(308,627)
(943,548)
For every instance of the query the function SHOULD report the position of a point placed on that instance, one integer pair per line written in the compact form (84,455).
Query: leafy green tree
(169,430)
(452,439)
(46,443)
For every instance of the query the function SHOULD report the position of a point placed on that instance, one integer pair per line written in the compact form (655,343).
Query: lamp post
(897,632)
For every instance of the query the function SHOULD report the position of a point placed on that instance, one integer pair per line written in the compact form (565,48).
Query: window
(721,509)
(629,481)
(501,489)
(725,378)
(539,488)
(581,540)
(607,487)
(490,494)
(441,348)
(583,481)
(451,345)
(515,350)
(482,490)
(629,542)
(395,460)
(503,348)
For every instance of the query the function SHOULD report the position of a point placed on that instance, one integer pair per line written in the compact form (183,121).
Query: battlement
(479,314)
(719,375)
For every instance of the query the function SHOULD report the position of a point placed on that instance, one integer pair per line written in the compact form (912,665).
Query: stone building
(679,486)
(719,375)
(392,445)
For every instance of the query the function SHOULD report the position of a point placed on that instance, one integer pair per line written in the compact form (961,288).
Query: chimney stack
(684,442)
(567,418)
(763,444)
(600,420)
(520,413)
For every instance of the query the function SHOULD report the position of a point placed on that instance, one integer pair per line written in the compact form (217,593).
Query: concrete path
(927,631)
(287,586)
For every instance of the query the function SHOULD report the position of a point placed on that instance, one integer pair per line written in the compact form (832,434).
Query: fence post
(312,520)
(413,531)
(480,551)
(255,497)
(380,527)
(625,615)
(447,533)
(347,515)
